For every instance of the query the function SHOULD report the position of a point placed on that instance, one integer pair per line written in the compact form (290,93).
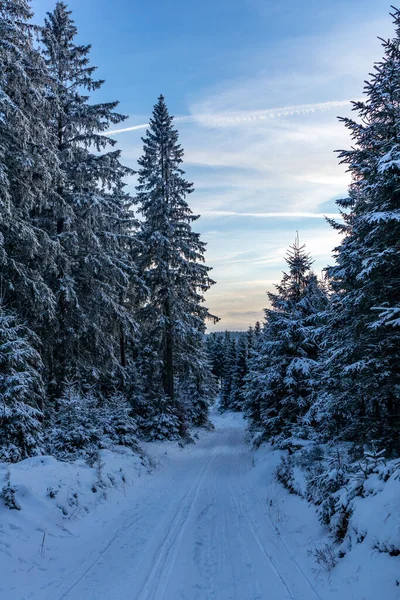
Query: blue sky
(257,86)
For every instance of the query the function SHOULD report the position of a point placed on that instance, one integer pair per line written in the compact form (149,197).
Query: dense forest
(102,317)
(102,323)
(325,363)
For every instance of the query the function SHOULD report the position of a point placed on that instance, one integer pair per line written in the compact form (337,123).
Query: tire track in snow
(208,558)
(210,506)
(166,553)
(280,539)
(262,548)
(206,555)
(286,547)
(226,525)
(256,592)
(73,585)
(120,531)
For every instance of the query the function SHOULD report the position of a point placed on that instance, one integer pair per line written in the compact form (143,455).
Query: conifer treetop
(161,199)
(294,281)
(81,123)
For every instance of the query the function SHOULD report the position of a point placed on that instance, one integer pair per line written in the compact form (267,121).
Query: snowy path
(200,531)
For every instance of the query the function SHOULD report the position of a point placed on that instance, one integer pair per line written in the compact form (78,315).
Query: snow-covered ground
(204,522)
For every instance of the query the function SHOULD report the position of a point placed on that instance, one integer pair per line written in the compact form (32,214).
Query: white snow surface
(204,522)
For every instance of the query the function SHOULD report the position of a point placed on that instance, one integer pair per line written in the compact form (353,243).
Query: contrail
(238,117)
(134,128)
(270,215)
(143,126)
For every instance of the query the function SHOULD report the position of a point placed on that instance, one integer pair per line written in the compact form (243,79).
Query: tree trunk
(169,356)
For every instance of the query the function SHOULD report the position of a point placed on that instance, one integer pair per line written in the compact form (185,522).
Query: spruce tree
(257,330)
(363,384)
(282,380)
(216,353)
(28,170)
(90,221)
(172,265)
(227,388)
(250,338)
(252,401)
(240,371)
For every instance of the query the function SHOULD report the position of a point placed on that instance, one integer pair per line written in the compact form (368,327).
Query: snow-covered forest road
(200,531)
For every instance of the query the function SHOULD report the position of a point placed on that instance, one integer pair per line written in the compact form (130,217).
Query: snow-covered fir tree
(228,371)
(28,174)
(85,423)
(21,390)
(282,379)
(28,170)
(363,383)
(197,388)
(172,265)
(251,405)
(257,330)
(250,337)
(90,221)
(229,355)
(216,354)
(240,370)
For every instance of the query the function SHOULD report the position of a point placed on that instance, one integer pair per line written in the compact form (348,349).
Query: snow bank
(56,501)
(70,512)
(365,563)
(80,526)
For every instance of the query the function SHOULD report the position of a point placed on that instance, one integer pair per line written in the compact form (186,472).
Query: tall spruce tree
(90,221)
(282,380)
(172,265)
(28,170)
(363,384)
(28,175)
